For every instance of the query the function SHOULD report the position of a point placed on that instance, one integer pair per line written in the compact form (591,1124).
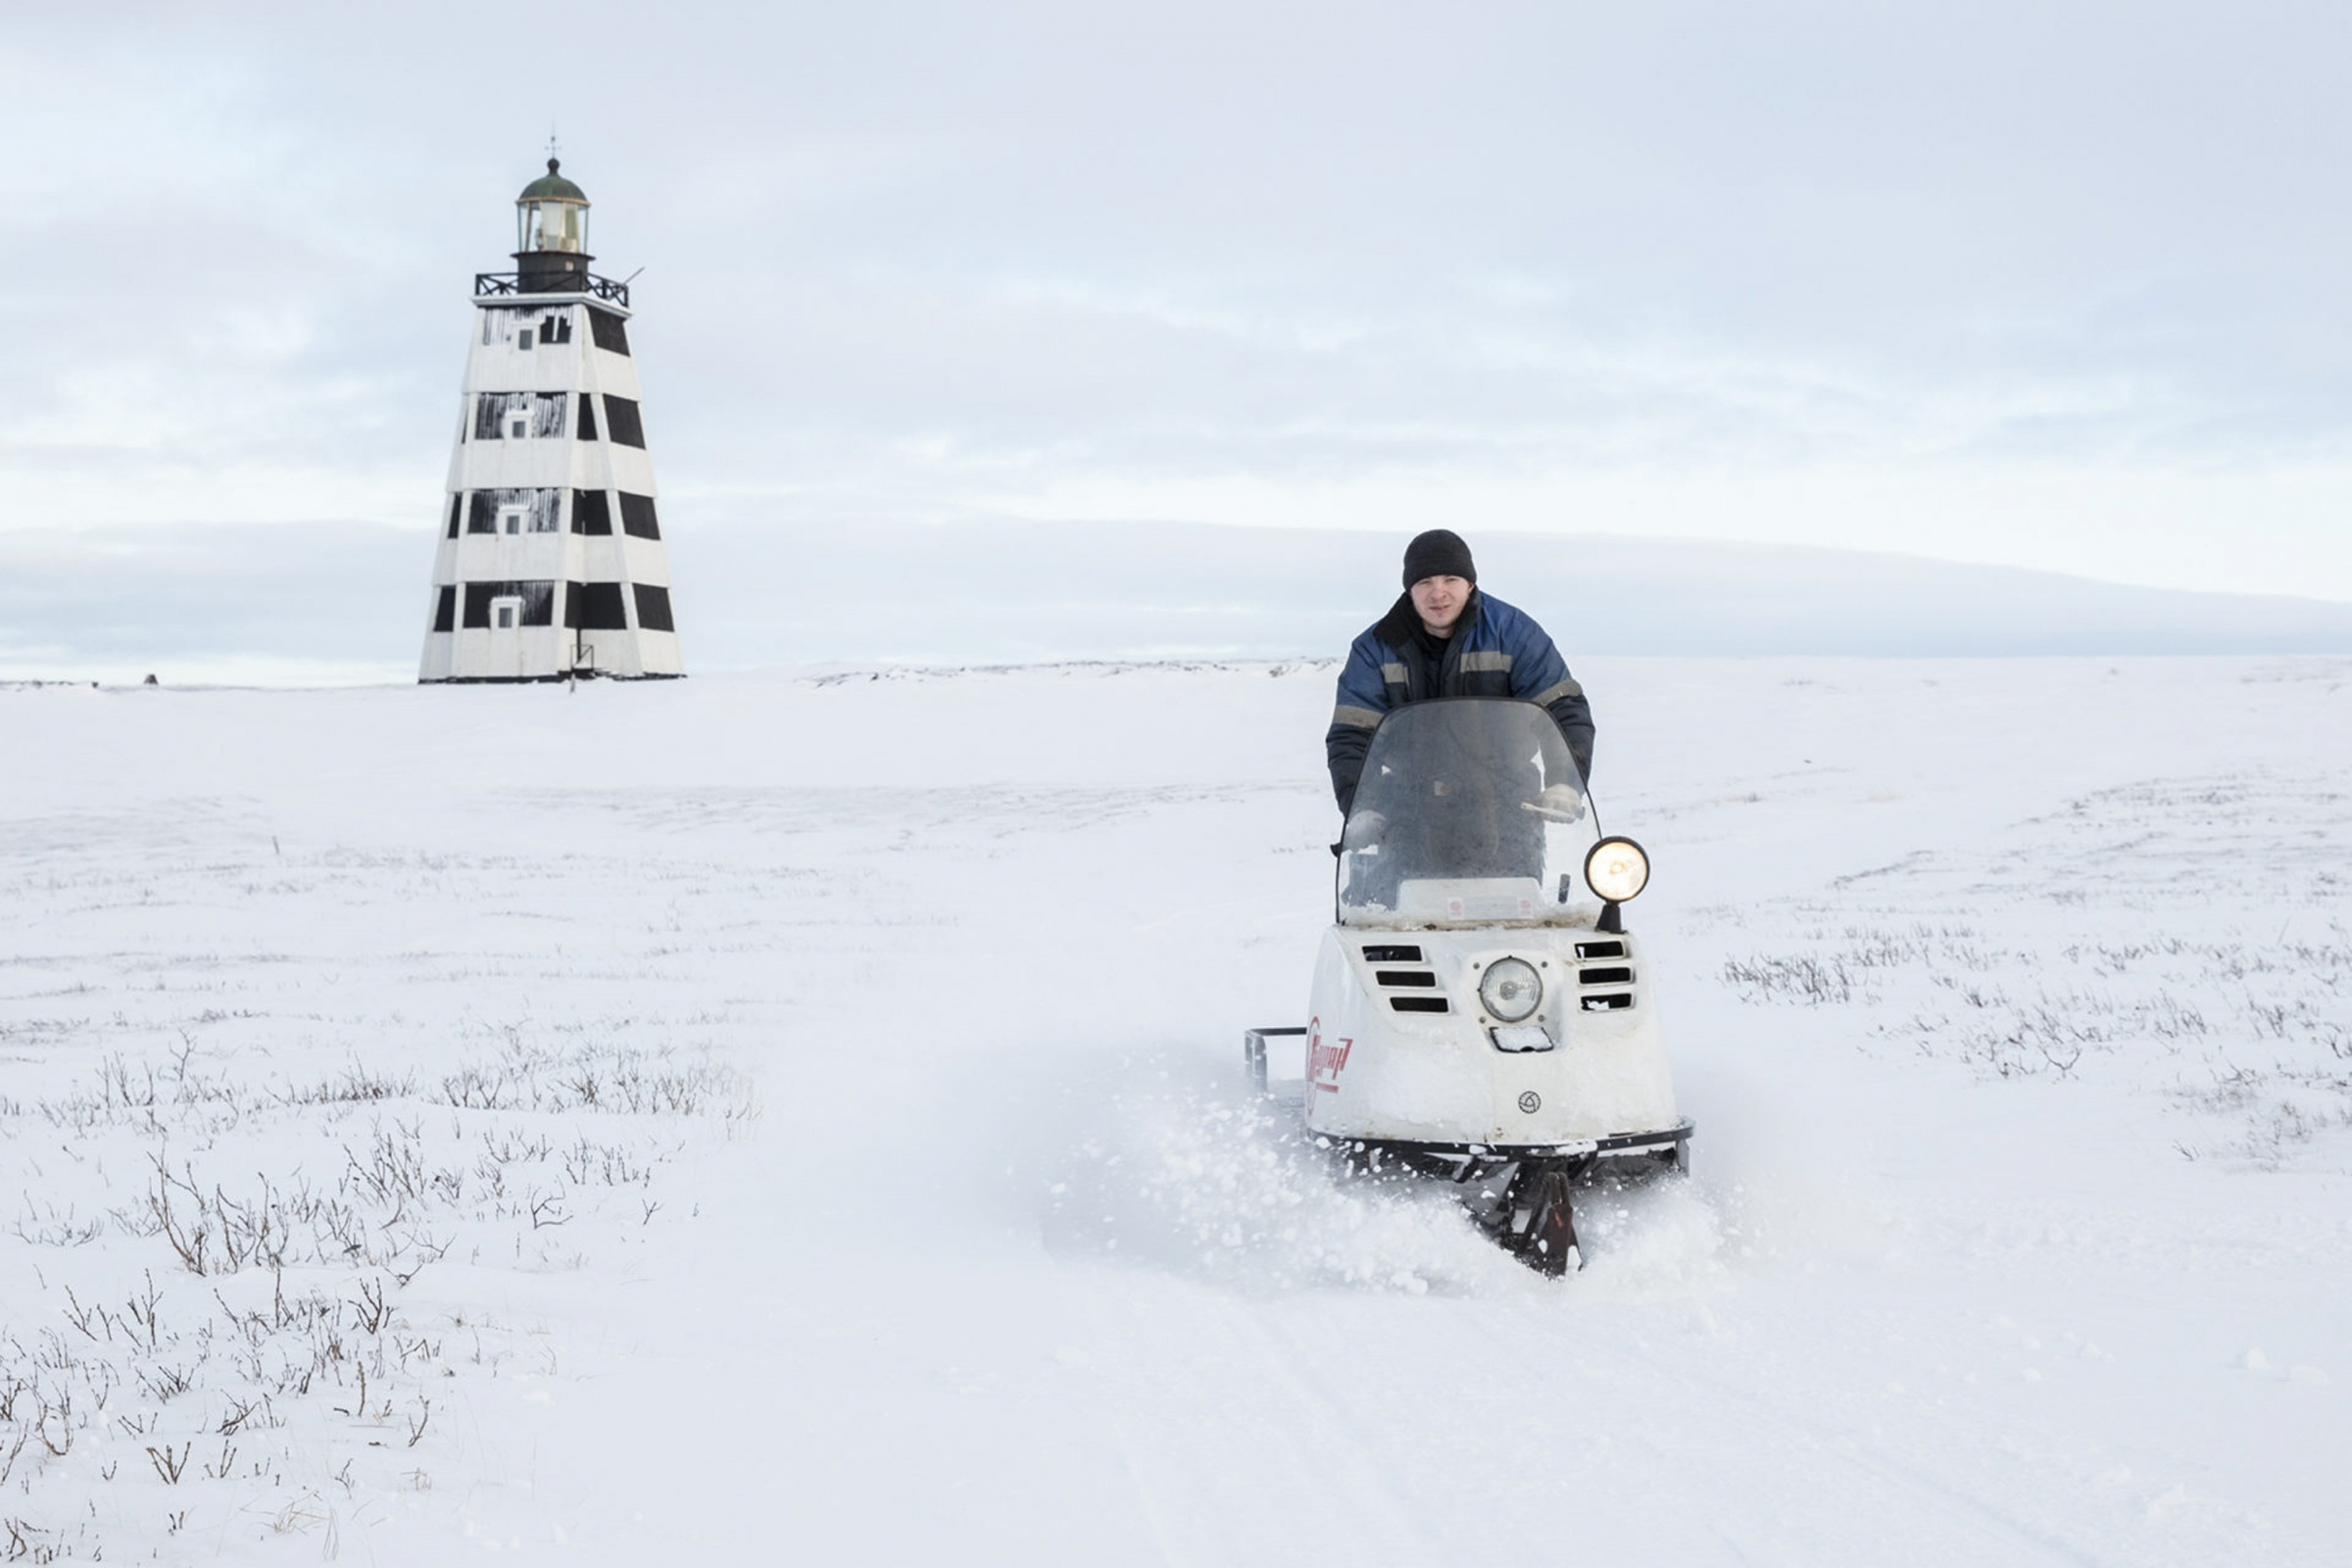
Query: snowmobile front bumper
(1464,1163)
(1253,1051)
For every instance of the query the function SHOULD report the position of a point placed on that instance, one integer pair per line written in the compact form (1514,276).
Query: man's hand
(1560,803)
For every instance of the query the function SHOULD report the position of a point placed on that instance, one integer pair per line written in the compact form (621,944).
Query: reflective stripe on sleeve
(1552,694)
(1393,674)
(1356,717)
(1487,662)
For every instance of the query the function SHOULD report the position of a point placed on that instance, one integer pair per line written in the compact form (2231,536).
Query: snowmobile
(1473,1018)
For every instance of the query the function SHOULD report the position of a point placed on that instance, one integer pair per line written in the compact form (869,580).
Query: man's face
(1439,602)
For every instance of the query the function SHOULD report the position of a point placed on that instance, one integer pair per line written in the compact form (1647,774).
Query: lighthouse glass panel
(554,225)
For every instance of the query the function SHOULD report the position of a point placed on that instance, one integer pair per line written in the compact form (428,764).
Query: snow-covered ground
(799,1118)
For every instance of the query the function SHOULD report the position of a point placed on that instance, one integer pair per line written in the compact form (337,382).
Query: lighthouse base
(543,680)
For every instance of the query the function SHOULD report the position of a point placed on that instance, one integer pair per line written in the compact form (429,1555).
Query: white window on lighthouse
(518,423)
(506,637)
(509,518)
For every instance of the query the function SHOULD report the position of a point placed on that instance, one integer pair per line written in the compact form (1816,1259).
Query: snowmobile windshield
(1470,812)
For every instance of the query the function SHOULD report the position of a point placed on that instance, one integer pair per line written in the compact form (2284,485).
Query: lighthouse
(551,562)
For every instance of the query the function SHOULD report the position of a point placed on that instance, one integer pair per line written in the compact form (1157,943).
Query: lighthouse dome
(552,213)
(552,184)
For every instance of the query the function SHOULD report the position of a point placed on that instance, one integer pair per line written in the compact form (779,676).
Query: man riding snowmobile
(1471,1020)
(1445,638)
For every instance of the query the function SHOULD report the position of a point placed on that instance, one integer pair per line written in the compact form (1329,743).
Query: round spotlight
(1616,869)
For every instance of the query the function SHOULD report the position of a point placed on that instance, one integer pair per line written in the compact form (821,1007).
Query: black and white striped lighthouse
(550,561)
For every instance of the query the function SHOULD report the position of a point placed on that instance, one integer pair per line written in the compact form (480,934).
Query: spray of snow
(1213,1183)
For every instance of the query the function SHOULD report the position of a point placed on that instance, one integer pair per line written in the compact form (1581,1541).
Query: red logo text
(1324,1062)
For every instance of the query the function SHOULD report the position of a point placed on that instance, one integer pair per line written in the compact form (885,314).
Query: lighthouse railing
(488,284)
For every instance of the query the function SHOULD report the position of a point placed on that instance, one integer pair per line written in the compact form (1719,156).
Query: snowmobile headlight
(1511,990)
(1616,869)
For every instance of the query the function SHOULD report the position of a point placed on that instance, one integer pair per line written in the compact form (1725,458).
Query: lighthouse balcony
(585,284)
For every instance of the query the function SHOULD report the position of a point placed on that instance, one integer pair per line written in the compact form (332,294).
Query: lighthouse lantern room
(551,562)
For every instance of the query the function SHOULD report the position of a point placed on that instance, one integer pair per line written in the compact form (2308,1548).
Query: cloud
(2050,285)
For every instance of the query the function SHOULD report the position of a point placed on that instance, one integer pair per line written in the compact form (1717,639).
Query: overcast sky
(2041,285)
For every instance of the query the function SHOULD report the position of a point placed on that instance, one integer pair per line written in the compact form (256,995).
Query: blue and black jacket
(1495,651)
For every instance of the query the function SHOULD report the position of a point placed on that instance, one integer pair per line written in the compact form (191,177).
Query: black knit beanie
(1438,552)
